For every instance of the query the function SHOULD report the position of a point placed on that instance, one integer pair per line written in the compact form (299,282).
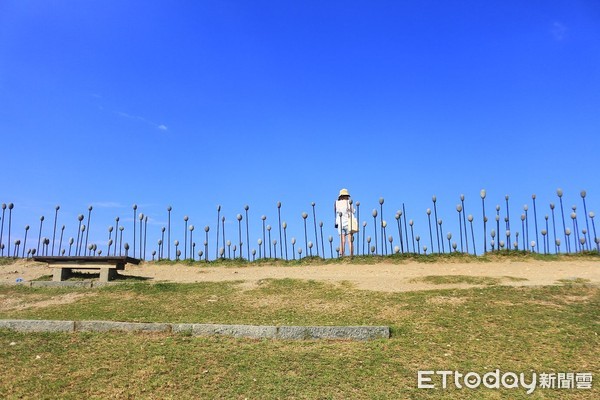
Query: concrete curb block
(236,331)
(106,326)
(37,326)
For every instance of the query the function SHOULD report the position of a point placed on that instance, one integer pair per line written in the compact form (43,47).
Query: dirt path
(381,277)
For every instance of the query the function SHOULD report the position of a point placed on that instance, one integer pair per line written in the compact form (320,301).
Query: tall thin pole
(218,223)
(246,208)
(383,247)
(315,225)
(533,196)
(39,236)
(437,233)
(54,232)
(87,232)
(464,214)
(169,208)
(134,222)
(10,208)
(484,219)
(587,224)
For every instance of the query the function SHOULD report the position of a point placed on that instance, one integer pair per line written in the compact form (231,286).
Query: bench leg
(61,274)
(107,274)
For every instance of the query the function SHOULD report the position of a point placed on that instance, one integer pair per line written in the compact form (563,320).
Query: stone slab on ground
(236,331)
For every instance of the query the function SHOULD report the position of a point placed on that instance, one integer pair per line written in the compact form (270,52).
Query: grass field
(544,329)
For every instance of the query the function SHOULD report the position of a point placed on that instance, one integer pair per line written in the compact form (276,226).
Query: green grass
(520,329)
(466,279)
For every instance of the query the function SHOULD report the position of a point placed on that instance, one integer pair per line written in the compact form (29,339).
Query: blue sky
(199,104)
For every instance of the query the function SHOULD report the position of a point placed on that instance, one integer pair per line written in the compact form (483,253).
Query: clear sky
(196,104)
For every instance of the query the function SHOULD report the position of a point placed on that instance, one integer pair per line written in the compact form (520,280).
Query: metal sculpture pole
(54,231)
(464,215)
(554,228)
(523,229)
(310,246)
(548,237)
(134,222)
(357,233)
(260,242)
(330,238)
(383,248)
(428,211)
(81,244)
(223,233)
(418,239)
(284,225)
(141,217)
(596,238)
(169,209)
(482,193)
(121,229)
(459,209)
(384,226)
(264,238)
(293,248)
(304,216)
(575,231)
(412,233)
(507,219)
(185,220)
(437,233)
(269,242)
(70,244)
(315,225)
(399,223)
(391,239)
(161,247)
(322,243)
(246,208)
(533,196)
(117,228)
(498,223)
(25,240)
(374,213)
(87,232)
(559,193)
(191,228)
(206,229)
(470,219)
(145,234)
(587,224)
(439,222)
(39,236)
(2,227)
(239,218)
(275,248)
(177,251)
(449,237)
(405,227)
(79,218)
(10,208)
(363,239)
(217,236)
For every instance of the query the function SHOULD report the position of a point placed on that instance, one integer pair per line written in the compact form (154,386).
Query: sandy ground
(381,277)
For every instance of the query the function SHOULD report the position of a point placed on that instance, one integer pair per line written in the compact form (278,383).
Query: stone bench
(108,266)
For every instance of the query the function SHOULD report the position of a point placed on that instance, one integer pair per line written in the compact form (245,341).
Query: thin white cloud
(559,31)
(161,127)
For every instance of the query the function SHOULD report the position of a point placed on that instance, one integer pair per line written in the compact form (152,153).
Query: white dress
(346,209)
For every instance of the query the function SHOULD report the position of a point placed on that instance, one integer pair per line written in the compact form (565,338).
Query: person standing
(345,221)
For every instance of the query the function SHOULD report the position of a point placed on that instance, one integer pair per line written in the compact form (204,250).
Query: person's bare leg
(342,242)
(351,244)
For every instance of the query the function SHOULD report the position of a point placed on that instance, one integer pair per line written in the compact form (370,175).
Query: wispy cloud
(559,31)
(161,127)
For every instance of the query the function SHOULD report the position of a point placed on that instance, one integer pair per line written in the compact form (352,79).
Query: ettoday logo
(507,380)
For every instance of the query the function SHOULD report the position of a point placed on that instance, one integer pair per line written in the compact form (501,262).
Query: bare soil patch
(383,276)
